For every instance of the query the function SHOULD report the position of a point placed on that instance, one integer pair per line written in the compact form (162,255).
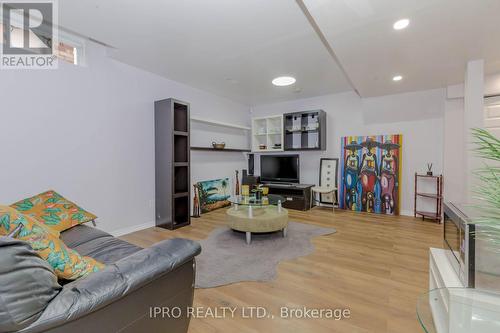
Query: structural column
(473,118)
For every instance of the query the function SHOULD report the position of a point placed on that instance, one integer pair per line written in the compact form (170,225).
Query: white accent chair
(327,183)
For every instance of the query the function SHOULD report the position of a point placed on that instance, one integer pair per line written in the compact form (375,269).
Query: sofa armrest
(115,281)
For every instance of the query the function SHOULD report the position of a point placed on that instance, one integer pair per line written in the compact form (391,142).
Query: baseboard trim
(134,228)
(406,213)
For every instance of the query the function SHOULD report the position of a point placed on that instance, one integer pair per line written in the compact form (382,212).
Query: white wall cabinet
(267,134)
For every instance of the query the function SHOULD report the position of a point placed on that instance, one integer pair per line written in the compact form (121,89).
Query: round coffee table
(250,215)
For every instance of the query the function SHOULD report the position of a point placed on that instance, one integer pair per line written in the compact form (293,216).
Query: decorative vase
(196,203)
(245,190)
(258,194)
(237,187)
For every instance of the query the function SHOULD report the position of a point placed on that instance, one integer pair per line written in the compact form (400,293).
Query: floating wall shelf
(221,150)
(219,123)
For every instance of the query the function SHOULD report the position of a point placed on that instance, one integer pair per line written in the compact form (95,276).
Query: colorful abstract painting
(214,194)
(370,173)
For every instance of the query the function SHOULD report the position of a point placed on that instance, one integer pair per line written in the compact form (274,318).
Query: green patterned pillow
(53,210)
(67,263)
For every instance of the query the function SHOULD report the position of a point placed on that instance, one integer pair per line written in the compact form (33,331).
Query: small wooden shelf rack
(435,215)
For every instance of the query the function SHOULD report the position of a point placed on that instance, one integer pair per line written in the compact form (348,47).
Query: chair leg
(333,201)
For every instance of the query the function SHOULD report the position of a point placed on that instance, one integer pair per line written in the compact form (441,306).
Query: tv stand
(298,196)
(279,184)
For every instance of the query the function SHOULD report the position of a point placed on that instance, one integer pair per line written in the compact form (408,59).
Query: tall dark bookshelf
(305,130)
(172,164)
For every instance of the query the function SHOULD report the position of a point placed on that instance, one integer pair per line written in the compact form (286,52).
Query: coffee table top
(269,200)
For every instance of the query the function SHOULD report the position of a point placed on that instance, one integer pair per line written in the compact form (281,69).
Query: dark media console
(298,196)
(281,174)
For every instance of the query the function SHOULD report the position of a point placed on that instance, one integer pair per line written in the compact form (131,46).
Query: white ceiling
(234,48)
(431,53)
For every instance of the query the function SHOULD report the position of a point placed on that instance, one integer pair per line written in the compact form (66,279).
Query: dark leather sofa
(119,298)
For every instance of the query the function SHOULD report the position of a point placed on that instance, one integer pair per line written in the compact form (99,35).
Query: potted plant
(488,193)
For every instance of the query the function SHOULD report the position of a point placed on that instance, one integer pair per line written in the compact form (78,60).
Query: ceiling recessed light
(397,78)
(284,81)
(401,24)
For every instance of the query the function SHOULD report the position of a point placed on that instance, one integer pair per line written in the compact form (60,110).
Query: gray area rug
(226,258)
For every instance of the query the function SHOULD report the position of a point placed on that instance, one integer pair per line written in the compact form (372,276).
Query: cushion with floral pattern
(53,210)
(67,263)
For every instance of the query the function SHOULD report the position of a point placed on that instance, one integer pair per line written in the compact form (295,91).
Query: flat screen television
(279,168)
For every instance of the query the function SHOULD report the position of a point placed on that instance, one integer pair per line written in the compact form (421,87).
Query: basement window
(68,53)
(67,50)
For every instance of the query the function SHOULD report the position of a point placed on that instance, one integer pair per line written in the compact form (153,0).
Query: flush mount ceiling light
(397,78)
(401,24)
(284,81)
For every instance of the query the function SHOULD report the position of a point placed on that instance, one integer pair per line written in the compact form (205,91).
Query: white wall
(214,165)
(418,116)
(87,132)
(456,150)
(492,84)
(473,118)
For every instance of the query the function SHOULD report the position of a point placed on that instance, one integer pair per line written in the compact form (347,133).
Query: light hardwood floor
(374,265)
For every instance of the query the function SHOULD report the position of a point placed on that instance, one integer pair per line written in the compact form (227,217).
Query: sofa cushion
(27,284)
(95,243)
(53,210)
(107,249)
(67,263)
(81,234)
